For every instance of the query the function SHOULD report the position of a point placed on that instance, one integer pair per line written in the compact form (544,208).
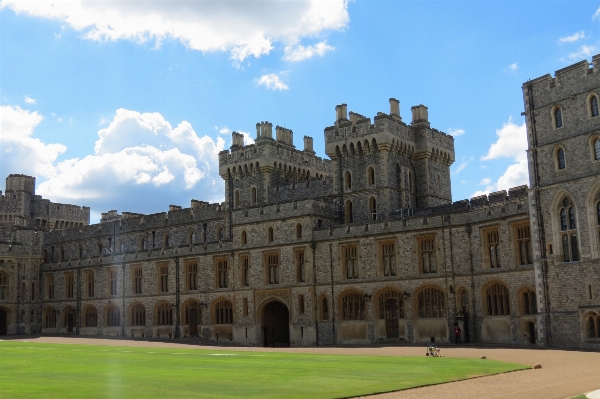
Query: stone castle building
(363,247)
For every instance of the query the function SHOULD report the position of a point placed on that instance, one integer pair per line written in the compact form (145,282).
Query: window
(222,281)
(112,281)
(23,291)
(348,180)
(164,314)
(492,248)
(237,198)
(272,268)
(350,259)
(138,315)
(89,283)
(192,314)
(298,231)
(568,235)
(431,303)
(191,275)
(300,272)
(63,256)
(100,249)
(90,317)
(191,237)
(113,316)
(373,208)
(371,176)
(69,286)
(166,241)
(391,299)
(593,106)
(245,262)
(4,287)
(50,286)
(560,158)
(119,247)
(529,306)
(270,234)
(523,243)
(245,307)
(349,215)
(142,244)
(596,149)
(592,324)
(33,291)
(353,307)
(324,309)
(136,279)
(463,304)
(427,255)
(219,233)
(557,117)
(80,252)
(223,312)
(388,258)
(254,198)
(300,304)
(50,318)
(244,238)
(163,278)
(497,301)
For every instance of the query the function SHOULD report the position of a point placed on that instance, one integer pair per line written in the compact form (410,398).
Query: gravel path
(563,373)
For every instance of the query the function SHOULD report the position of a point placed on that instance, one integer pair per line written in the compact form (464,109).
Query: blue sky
(124,105)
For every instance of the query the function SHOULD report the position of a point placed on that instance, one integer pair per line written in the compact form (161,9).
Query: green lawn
(33,370)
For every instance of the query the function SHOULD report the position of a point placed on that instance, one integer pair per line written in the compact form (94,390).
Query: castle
(366,246)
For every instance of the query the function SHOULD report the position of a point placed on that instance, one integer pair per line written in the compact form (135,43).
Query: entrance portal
(531,331)
(391,318)
(3,322)
(193,321)
(70,320)
(276,325)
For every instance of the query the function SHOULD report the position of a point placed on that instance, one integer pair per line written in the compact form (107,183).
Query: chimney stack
(419,114)
(308,144)
(341,112)
(394,107)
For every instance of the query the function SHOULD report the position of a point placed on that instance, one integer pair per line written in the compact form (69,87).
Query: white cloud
(572,38)
(29,100)
(272,81)
(300,53)
(455,132)
(485,181)
(247,139)
(513,67)
(584,51)
(224,130)
(19,151)
(596,14)
(243,28)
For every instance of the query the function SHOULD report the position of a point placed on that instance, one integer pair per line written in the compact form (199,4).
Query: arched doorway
(3,321)
(276,324)
(69,321)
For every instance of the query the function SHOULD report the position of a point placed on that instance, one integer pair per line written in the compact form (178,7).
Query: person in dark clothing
(457,332)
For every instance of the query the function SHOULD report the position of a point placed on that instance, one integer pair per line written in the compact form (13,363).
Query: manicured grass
(33,370)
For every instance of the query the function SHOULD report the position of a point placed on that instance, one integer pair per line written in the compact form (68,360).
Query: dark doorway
(193,321)
(3,322)
(531,331)
(276,325)
(391,319)
(70,320)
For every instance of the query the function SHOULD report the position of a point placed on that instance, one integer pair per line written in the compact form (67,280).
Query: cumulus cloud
(243,28)
(300,53)
(596,14)
(455,132)
(572,38)
(29,100)
(247,139)
(19,151)
(584,51)
(272,81)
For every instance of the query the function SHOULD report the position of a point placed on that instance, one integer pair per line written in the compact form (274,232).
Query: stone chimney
(341,112)
(308,144)
(237,139)
(283,135)
(394,107)
(264,129)
(419,114)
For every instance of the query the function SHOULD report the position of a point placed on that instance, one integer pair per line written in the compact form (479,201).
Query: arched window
(298,231)
(23,293)
(348,181)
(166,241)
(223,312)
(431,302)
(373,208)
(113,316)
(33,291)
(192,314)
(237,199)
(353,306)
(164,314)
(592,324)
(244,238)
(273,268)
(349,215)
(391,301)
(100,249)
(254,197)
(324,309)
(593,106)
(45,255)
(597,149)
(191,237)
(560,159)
(528,303)
(497,300)
(142,244)
(568,235)
(90,317)
(49,318)
(270,234)
(219,233)
(80,251)
(371,176)
(3,287)
(410,182)
(63,256)
(558,122)
(463,301)
(119,247)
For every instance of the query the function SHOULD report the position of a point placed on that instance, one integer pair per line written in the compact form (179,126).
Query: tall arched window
(224,312)
(49,318)
(219,233)
(164,314)
(244,238)
(237,198)
(166,241)
(528,303)
(373,208)
(431,302)
(560,159)
(593,106)
(142,244)
(558,122)
(270,234)
(497,300)
(23,293)
(592,325)
(33,291)
(113,316)
(138,315)
(298,231)
(371,176)
(3,287)
(568,234)
(349,215)
(324,309)
(597,149)
(353,306)
(119,247)
(348,180)
(391,301)
(192,315)
(191,237)
(254,197)
(90,317)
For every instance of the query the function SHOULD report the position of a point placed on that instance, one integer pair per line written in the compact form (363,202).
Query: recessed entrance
(3,322)
(70,320)
(531,331)
(391,318)
(276,325)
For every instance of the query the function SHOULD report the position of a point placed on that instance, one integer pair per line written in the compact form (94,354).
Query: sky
(126,104)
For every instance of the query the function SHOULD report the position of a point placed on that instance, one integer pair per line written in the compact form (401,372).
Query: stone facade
(363,247)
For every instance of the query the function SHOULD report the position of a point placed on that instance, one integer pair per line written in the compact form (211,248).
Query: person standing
(457,332)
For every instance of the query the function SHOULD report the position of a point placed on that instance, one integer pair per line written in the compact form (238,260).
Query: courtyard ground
(564,373)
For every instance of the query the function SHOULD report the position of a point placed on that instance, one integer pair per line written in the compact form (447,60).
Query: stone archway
(276,325)
(3,321)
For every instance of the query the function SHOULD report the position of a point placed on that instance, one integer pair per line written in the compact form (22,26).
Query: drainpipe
(332,293)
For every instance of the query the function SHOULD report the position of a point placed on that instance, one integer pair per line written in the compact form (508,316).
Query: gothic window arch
(189,308)
(237,198)
(3,287)
(137,315)
(568,231)
(219,233)
(163,314)
(560,161)
(353,306)
(244,237)
(299,231)
(557,117)
(119,247)
(113,316)
(348,180)
(496,300)
(462,300)
(592,105)
(592,325)
(371,176)
(373,208)
(191,237)
(431,302)
(324,309)
(595,147)
(349,215)
(142,244)
(270,235)
(166,240)
(90,316)
(528,302)
(254,196)
(223,312)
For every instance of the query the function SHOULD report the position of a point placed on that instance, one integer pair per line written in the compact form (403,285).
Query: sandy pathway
(563,373)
